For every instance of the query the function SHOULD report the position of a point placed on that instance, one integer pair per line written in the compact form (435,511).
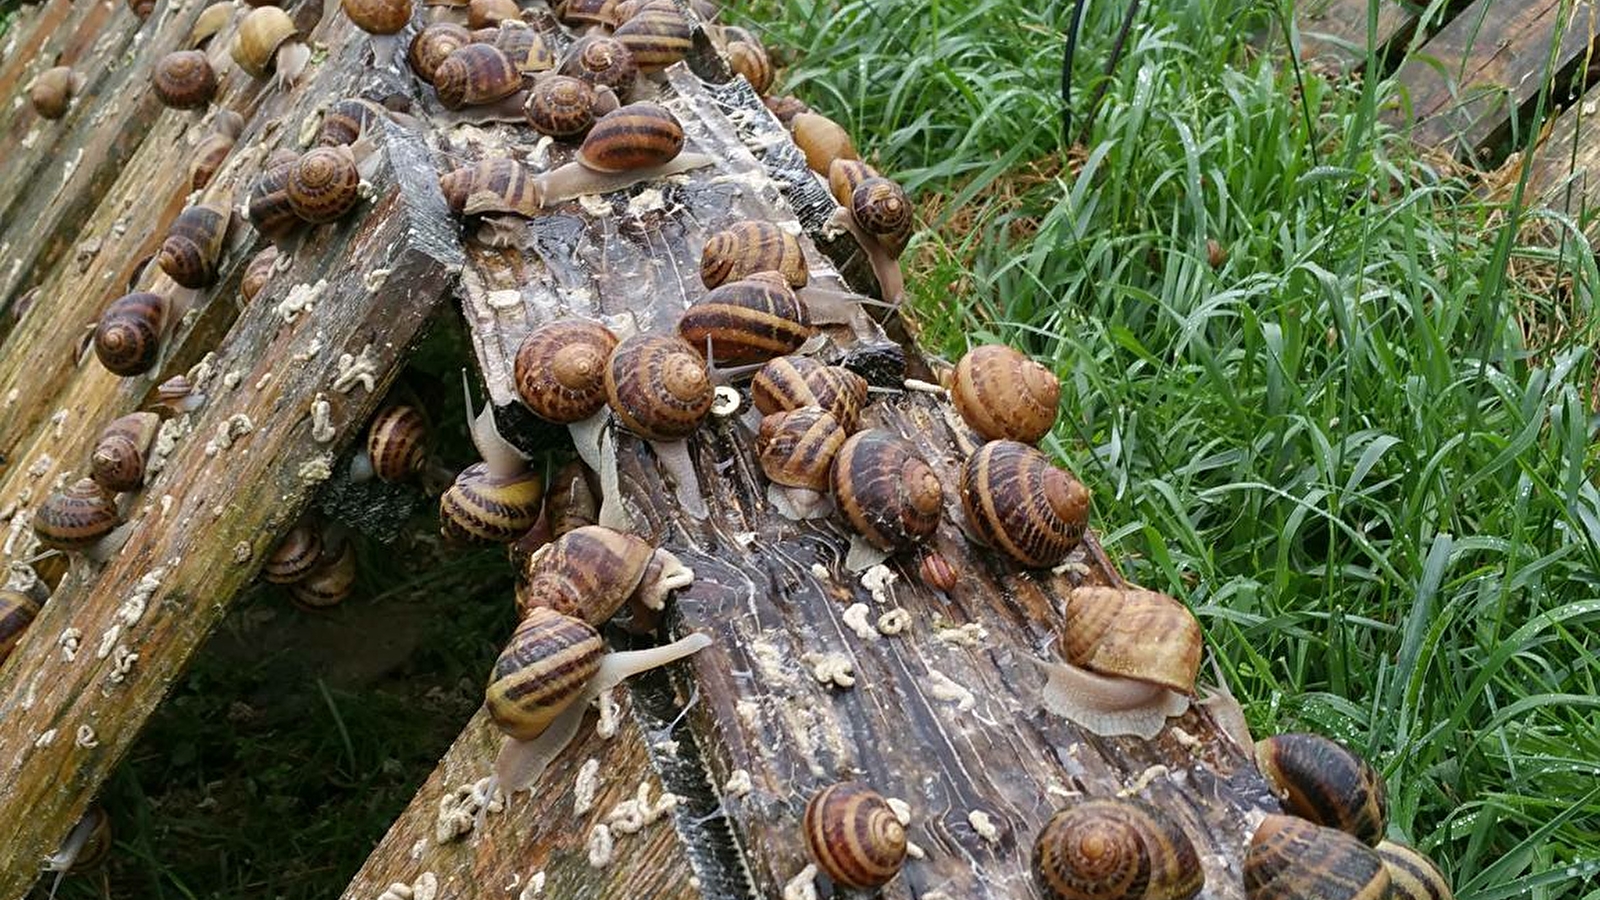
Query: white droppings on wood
(902,809)
(419,848)
(745,538)
(201,371)
(984,826)
(41,465)
(877,579)
(1143,780)
(1075,567)
(108,640)
(819,571)
(70,640)
(301,299)
(610,716)
(802,886)
(969,635)
(858,618)
(595,205)
(11,397)
(915,851)
(122,660)
(231,380)
(511,298)
(426,887)
(941,687)
(647,200)
(749,712)
(234,427)
(600,846)
(374,280)
(584,789)
(322,430)
(315,470)
(831,668)
(926,387)
(85,738)
(894,622)
(738,784)
(32,693)
(1185,739)
(167,437)
(360,369)
(59,420)
(242,552)
(458,810)
(535,887)
(133,606)
(312,350)
(261,382)
(45,739)
(397,891)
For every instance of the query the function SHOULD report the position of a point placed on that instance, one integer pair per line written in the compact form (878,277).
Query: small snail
(1412,876)
(878,216)
(496,184)
(295,555)
(749,58)
(657,37)
(936,571)
(214,148)
(561,106)
(603,62)
(383,20)
(324,184)
(560,374)
(1115,849)
(854,835)
(585,13)
(258,272)
(822,140)
(1292,859)
(433,45)
(659,388)
(52,92)
(128,338)
(81,518)
(1132,658)
(267,43)
(329,582)
(785,108)
(747,321)
(1018,502)
(192,250)
(119,457)
(476,75)
(590,572)
(142,8)
(484,13)
(183,79)
(889,495)
(493,501)
(1319,780)
(86,846)
(346,121)
(397,443)
(542,684)
(751,247)
(527,49)
(571,502)
(1004,395)
(176,396)
(796,450)
(17,612)
(790,382)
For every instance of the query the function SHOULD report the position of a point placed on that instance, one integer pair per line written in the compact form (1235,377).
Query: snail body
(295,555)
(17,612)
(1319,780)
(346,121)
(750,247)
(267,43)
(86,846)
(796,450)
(397,443)
(324,184)
(378,17)
(747,321)
(590,572)
(119,457)
(128,338)
(192,250)
(878,216)
(77,518)
(1018,502)
(889,494)
(854,835)
(1115,849)
(52,92)
(184,79)
(1004,395)
(1292,859)
(1412,876)
(269,209)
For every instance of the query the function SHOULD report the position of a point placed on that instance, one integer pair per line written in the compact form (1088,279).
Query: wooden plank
(1469,82)
(1565,173)
(1334,32)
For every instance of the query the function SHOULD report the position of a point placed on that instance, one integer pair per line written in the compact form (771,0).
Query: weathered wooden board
(1481,71)
(1334,32)
(1566,167)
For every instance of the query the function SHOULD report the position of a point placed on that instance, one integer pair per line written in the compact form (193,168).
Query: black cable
(1073,25)
(1111,68)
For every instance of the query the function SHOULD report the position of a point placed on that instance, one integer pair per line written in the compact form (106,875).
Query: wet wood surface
(1335,33)
(1565,173)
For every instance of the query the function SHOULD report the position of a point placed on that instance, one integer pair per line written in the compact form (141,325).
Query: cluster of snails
(316,562)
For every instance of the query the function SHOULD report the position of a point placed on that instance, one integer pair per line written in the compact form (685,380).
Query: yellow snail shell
(1004,395)
(1412,876)
(1018,502)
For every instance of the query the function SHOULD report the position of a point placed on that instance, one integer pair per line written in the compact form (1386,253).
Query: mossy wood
(944,715)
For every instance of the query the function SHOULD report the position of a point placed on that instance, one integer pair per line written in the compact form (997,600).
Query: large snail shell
(1115,849)
(1004,395)
(259,36)
(269,209)
(496,184)
(324,184)
(328,583)
(845,175)
(484,507)
(587,573)
(77,517)
(51,93)
(751,247)
(1016,501)
(572,501)
(379,16)
(544,668)
(17,612)
(345,121)
(128,338)
(822,140)
(433,45)
(474,75)
(561,106)
(1292,859)
(883,210)
(193,247)
(1321,781)
(603,62)
(636,136)
(184,79)
(1133,633)
(750,59)
(854,835)
(657,37)
(119,457)
(258,272)
(295,555)
(747,321)
(790,382)
(587,12)
(1412,876)
(658,386)
(797,448)
(397,443)
(561,369)
(887,492)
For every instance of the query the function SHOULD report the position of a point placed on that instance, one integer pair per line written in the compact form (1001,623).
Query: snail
(130,333)
(591,572)
(324,184)
(822,140)
(268,208)
(1015,500)
(1292,859)
(659,388)
(142,8)
(495,500)
(527,49)
(878,216)
(571,502)
(1132,656)
(397,445)
(210,22)
(1412,876)
(560,373)
(192,251)
(183,79)
(346,121)
(936,571)
(51,93)
(214,148)
(561,106)
(587,13)
(790,382)
(797,449)
(295,554)
(751,320)
(383,20)
(1319,780)
(329,582)
(447,11)
(433,45)
(749,58)
(81,518)
(119,457)
(258,272)
(484,13)
(603,62)
(17,612)
(478,75)
(890,495)
(785,108)
(1004,395)
(657,36)
(751,247)
(1115,849)
(854,835)
(86,846)
(176,396)
(543,682)
(267,43)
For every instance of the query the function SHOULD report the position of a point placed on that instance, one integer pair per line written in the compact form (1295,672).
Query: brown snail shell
(269,209)
(822,140)
(560,369)
(747,321)
(751,247)
(184,79)
(474,75)
(433,45)
(561,106)
(397,443)
(790,382)
(127,339)
(1004,395)
(890,496)
(330,582)
(1016,501)
(1320,780)
(258,272)
(543,669)
(785,108)
(590,572)
(378,16)
(193,247)
(77,517)
(295,555)
(52,92)
(142,8)
(214,149)
(573,500)
(346,121)
(498,179)
(119,457)
(497,509)
(1292,859)
(212,20)
(527,49)
(485,13)
(260,35)
(882,209)
(657,37)
(587,12)
(1412,876)
(1133,633)
(845,175)
(1115,849)
(636,136)
(603,62)
(854,835)
(750,60)
(17,612)
(324,184)
(658,386)
(936,571)
(87,845)
(797,448)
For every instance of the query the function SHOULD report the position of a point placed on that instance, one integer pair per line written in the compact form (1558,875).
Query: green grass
(1363,448)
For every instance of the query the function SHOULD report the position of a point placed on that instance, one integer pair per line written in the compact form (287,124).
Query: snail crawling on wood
(1015,500)
(748,249)
(267,43)
(1412,876)
(1005,396)
(560,374)
(792,382)
(854,835)
(433,45)
(565,107)
(1290,858)
(184,79)
(131,331)
(796,450)
(604,62)
(17,612)
(659,387)
(496,500)
(192,251)
(1115,849)
(383,20)
(120,455)
(81,518)
(890,496)
(591,572)
(51,93)
(397,446)
(877,213)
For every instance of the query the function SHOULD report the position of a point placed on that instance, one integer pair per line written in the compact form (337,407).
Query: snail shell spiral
(561,106)
(1292,859)
(128,338)
(77,517)
(329,582)
(603,62)
(258,272)
(854,835)
(480,506)
(183,79)
(51,93)
(748,321)
(474,75)
(560,369)
(118,461)
(1016,501)
(433,45)
(797,448)
(845,175)
(657,37)
(1321,781)
(324,184)
(1115,849)
(295,555)
(1004,395)
(193,247)
(658,386)
(397,443)
(544,668)
(890,496)
(883,210)
(751,247)
(17,612)
(636,136)
(1133,633)
(790,382)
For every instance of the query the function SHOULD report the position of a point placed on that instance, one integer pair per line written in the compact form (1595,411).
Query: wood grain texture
(1334,32)
(1566,167)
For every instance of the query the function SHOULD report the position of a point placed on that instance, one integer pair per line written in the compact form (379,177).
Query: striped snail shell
(1412,876)
(543,669)
(17,612)
(636,136)
(119,457)
(822,140)
(657,37)
(590,572)
(883,211)
(295,555)
(193,247)
(52,92)
(658,386)
(484,507)
(603,62)
(573,500)
(1018,502)
(1292,859)
(258,272)
(378,16)
(890,496)
(176,395)
(936,571)
(527,49)
(397,443)
(587,12)
(797,448)
(346,121)
(1133,633)
(86,846)
(560,369)
(259,40)
(486,13)
(433,45)
(183,79)
(1004,395)
(269,209)
(1320,780)
(561,106)
(128,338)
(845,175)
(496,184)
(790,382)
(854,835)
(329,582)
(324,184)
(1115,849)
(748,321)
(214,148)
(749,58)
(474,75)
(751,247)
(77,517)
